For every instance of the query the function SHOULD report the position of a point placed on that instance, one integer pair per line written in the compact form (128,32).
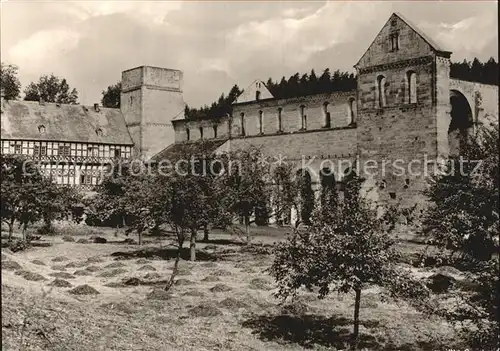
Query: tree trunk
(355,335)
(205,233)
(192,245)
(176,265)
(24,232)
(140,237)
(11,229)
(247,228)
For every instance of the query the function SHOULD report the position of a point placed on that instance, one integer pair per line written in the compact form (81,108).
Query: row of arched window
(327,122)
(411,89)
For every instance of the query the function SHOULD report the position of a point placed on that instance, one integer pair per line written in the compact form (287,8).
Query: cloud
(218,44)
(468,37)
(43,48)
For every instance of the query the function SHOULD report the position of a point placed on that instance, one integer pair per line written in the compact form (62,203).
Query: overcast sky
(219,44)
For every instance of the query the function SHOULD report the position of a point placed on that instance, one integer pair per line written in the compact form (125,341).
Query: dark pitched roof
(21,120)
(177,150)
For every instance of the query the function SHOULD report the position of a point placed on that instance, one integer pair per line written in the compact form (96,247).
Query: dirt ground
(223,301)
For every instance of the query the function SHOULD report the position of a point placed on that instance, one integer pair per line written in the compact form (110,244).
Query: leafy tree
(463,216)
(247,184)
(9,81)
(111,96)
(28,196)
(218,109)
(344,254)
(475,71)
(59,202)
(51,89)
(21,181)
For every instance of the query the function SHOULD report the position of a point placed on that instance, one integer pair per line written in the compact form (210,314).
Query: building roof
(22,119)
(178,150)
(424,36)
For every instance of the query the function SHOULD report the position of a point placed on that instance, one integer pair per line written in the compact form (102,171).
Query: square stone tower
(151,98)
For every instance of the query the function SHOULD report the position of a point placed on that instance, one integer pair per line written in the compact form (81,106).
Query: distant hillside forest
(309,84)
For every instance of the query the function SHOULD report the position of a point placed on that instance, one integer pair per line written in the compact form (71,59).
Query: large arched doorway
(306,196)
(461,124)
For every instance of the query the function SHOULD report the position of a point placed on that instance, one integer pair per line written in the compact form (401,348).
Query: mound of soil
(210,247)
(222,273)
(116,264)
(82,241)
(98,240)
(58,268)
(159,294)
(82,272)
(76,265)
(183,282)
(142,261)
(61,283)
(62,275)
(113,273)
(259,284)
(11,265)
(120,306)
(147,267)
(95,259)
(60,259)
(130,241)
(38,262)
(84,290)
(210,278)
(220,288)
(205,310)
(209,265)
(68,239)
(232,303)
(183,271)
(30,275)
(93,268)
(114,285)
(152,276)
(132,281)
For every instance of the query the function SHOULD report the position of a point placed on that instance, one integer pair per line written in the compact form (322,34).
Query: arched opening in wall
(381,91)
(257,95)
(261,122)
(327,122)
(328,195)
(303,117)
(188,134)
(461,124)
(411,78)
(279,126)
(306,196)
(351,106)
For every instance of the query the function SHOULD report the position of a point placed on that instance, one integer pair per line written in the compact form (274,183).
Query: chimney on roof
(96,107)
